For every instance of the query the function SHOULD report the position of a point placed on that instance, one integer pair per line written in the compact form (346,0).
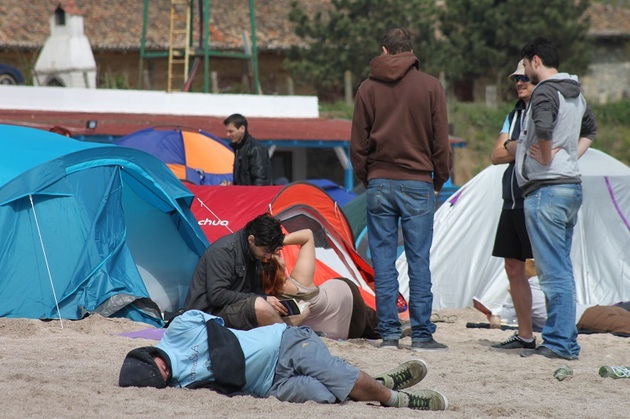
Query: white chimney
(66,58)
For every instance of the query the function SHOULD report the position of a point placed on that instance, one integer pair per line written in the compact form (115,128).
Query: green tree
(347,37)
(485,37)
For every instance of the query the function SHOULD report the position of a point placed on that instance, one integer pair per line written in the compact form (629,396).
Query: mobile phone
(292,306)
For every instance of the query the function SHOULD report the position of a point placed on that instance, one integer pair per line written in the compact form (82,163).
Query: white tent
(462,264)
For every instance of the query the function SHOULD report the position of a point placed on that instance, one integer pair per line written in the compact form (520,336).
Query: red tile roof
(70,7)
(117,24)
(608,20)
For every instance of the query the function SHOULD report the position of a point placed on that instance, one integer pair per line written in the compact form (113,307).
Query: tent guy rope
(41,242)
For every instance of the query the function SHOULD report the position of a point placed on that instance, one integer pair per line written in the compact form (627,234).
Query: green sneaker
(405,375)
(422,400)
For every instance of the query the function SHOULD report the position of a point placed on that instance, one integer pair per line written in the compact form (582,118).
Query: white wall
(66,56)
(62,99)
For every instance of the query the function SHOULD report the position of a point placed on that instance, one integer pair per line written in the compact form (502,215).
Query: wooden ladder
(178,45)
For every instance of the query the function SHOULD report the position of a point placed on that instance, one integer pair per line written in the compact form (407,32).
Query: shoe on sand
(422,400)
(405,375)
(546,352)
(431,345)
(515,342)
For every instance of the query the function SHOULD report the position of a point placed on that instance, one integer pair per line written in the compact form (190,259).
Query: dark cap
(140,370)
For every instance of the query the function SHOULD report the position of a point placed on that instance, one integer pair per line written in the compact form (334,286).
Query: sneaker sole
(389,347)
(521,348)
(445,402)
(428,349)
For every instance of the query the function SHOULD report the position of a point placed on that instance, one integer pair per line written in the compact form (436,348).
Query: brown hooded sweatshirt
(400,124)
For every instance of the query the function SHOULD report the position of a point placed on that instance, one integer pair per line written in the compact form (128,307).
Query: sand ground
(49,371)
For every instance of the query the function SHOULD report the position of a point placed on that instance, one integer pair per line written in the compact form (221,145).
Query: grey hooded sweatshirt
(557,112)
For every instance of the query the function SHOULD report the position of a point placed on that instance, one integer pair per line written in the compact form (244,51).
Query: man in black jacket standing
(251,160)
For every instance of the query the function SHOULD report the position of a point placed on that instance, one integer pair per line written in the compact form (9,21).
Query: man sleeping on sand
(290,363)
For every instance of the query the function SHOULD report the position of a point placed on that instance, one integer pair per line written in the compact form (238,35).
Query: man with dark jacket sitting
(226,282)
(251,159)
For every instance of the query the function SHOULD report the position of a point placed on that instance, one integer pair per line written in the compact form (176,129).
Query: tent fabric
(356,213)
(192,155)
(94,228)
(462,264)
(337,192)
(300,193)
(221,210)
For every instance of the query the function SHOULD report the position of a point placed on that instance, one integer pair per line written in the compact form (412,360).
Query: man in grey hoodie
(559,127)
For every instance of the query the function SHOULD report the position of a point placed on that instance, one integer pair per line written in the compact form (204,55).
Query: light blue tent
(91,228)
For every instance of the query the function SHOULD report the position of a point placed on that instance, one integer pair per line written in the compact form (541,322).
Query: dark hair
(397,40)
(545,50)
(267,232)
(140,370)
(237,119)
(272,277)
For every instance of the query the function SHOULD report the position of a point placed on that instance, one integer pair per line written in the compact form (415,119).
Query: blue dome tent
(91,228)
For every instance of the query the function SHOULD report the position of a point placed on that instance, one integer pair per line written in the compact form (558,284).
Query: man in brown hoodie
(400,151)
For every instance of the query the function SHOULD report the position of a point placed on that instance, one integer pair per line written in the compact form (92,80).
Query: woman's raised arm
(304,269)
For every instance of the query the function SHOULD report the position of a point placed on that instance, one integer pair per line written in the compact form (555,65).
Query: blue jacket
(187,343)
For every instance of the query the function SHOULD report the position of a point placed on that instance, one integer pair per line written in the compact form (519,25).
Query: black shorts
(512,241)
(240,315)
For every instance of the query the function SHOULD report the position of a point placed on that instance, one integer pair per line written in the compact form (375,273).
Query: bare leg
(368,389)
(265,313)
(521,296)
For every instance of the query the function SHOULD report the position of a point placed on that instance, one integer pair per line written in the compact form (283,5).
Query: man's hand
(536,153)
(277,305)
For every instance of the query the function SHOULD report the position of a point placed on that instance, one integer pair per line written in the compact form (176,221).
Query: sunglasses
(524,79)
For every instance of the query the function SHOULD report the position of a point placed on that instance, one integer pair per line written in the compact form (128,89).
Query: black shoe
(515,342)
(432,345)
(546,352)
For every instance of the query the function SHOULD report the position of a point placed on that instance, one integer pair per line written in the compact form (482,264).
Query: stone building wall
(608,78)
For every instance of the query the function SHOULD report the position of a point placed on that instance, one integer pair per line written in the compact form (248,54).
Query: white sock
(393,399)
(526,340)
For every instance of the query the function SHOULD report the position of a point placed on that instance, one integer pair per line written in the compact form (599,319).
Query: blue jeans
(413,204)
(550,215)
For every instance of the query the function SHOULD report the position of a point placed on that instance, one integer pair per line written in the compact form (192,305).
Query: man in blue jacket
(559,127)
(289,363)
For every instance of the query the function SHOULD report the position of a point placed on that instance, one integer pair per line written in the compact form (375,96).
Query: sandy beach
(49,371)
